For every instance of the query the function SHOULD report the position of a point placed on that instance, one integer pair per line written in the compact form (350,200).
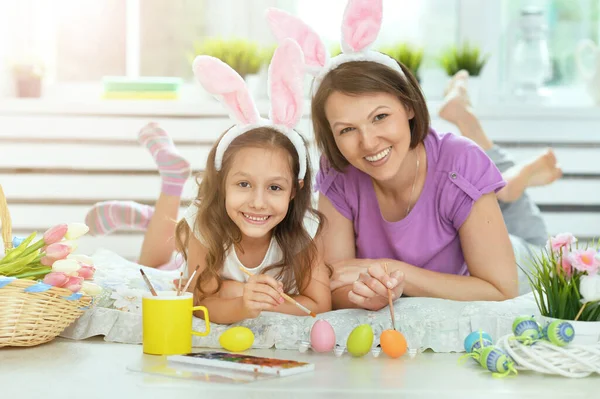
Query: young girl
(397,195)
(254,203)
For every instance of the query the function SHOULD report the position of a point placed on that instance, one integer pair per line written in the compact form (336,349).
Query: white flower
(66,266)
(91,288)
(82,258)
(76,230)
(128,299)
(589,287)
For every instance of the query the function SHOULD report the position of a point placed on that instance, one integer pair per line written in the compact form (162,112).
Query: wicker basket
(29,318)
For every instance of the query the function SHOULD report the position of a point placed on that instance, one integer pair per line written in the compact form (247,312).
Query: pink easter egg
(322,336)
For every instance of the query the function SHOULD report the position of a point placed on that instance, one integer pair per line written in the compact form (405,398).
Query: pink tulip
(55,234)
(46,261)
(58,251)
(567,268)
(56,279)
(86,271)
(563,240)
(584,260)
(74,283)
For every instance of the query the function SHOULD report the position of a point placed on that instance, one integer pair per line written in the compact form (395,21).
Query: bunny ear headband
(286,73)
(360,27)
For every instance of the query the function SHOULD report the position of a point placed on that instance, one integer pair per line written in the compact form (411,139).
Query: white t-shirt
(231,265)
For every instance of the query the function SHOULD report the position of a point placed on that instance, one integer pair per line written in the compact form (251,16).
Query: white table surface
(97,369)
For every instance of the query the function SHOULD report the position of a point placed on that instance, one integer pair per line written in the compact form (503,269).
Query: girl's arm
(338,245)
(488,254)
(222,307)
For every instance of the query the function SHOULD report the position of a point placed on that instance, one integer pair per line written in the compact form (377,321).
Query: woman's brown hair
(360,77)
(219,232)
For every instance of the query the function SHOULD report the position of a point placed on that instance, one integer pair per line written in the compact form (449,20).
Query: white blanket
(427,323)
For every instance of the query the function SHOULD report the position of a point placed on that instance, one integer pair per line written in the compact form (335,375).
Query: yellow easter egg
(360,340)
(237,339)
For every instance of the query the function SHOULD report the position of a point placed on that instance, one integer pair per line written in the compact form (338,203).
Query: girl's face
(258,190)
(371,131)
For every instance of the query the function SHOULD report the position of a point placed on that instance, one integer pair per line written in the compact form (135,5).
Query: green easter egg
(237,339)
(360,340)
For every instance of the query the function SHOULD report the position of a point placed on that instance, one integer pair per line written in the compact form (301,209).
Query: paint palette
(241,362)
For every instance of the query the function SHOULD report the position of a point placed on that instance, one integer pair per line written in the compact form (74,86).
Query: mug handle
(206,321)
(585,46)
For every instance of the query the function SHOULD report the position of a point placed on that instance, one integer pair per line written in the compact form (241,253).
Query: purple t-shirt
(458,174)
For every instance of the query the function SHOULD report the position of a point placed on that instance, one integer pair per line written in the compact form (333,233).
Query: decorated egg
(322,336)
(477,340)
(525,328)
(237,339)
(559,332)
(392,343)
(496,361)
(360,340)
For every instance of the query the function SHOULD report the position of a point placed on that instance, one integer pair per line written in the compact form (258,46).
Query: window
(568,23)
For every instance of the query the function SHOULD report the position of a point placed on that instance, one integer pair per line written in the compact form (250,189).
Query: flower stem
(580,311)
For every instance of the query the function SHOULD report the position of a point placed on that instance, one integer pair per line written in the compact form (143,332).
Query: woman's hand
(348,271)
(369,288)
(261,292)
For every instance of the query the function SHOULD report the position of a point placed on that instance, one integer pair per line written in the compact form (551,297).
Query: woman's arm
(317,294)
(338,245)
(488,255)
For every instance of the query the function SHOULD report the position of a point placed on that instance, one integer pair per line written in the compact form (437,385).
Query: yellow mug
(167,323)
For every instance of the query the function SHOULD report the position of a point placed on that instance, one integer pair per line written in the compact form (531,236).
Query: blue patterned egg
(496,361)
(559,332)
(525,328)
(477,340)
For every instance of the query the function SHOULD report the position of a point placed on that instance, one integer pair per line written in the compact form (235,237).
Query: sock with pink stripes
(108,216)
(173,168)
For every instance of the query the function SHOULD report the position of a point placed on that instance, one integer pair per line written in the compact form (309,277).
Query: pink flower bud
(74,283)
(55,234)
(58,251)
(46,261)
(86,271)
(56,279)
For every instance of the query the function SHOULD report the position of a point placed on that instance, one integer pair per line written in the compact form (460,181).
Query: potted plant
(28,78)
(466,57)
(565,281)
(409,56)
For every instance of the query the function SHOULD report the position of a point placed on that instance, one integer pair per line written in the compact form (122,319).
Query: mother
(407,208)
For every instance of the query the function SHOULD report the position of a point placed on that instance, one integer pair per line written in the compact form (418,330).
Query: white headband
(286,74)
(360,27)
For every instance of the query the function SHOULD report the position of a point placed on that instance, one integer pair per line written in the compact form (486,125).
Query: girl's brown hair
(219,232)
(360,77)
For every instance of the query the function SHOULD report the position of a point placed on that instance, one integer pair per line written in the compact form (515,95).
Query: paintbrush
(288,298)
(190,279)
(148,283)
(391,303)
(179,284)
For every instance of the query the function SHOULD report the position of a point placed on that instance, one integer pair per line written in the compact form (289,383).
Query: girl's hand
(261,292)
(369,291)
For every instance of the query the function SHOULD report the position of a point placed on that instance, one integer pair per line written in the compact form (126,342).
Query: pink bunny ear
(220,80)
(286,76)
(284,25)
(361,24)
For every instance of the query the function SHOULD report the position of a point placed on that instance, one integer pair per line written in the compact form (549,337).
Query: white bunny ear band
(286,74)
(360,27)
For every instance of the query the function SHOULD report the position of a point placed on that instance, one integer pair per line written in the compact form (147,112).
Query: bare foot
(456,99)
(541,171)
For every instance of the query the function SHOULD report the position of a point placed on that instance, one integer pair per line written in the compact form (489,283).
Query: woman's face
(371,131)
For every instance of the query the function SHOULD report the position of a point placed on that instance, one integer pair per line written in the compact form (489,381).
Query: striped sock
(108,216)
(173,168)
